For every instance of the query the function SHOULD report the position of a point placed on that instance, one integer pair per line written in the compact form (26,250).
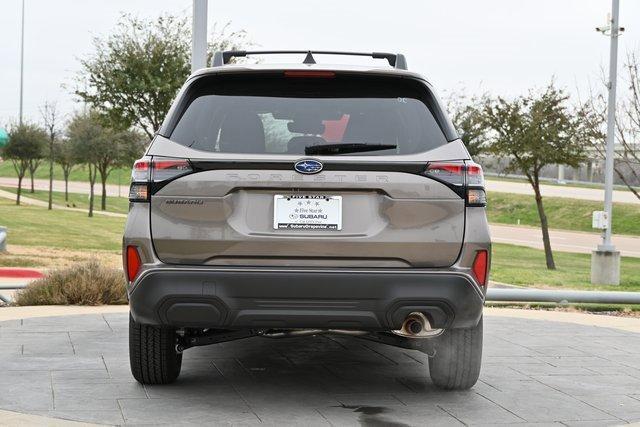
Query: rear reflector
(133,262)
(310,74)
(480,265)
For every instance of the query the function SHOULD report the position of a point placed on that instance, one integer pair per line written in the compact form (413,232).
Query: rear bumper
(238,298)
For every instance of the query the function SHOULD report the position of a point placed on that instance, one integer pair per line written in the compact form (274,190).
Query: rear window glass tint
(285,115)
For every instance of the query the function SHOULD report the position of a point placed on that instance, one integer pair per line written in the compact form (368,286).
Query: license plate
(307,212)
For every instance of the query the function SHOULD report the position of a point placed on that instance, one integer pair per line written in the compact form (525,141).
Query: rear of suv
(302,199)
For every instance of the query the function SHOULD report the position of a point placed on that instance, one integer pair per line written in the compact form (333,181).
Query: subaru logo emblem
(308,166)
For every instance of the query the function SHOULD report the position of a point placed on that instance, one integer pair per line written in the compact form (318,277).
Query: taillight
(141,170)
(451,173)
(480,266)
(162,170)
(466,179)
(133,262)
(146,171)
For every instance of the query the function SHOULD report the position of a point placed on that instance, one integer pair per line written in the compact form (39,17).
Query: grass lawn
(37,226)
(77,200)
(524,266)
(563,214)
(79,173)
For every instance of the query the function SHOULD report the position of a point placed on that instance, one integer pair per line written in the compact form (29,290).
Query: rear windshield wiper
(357,147)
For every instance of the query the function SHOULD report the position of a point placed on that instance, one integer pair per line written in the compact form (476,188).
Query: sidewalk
(564,191)
(563,241)
(74,186)
(34,202)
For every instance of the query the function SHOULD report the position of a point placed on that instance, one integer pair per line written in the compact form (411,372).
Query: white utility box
(600,220)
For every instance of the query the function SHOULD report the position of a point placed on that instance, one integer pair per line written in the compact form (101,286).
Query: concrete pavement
(564,241)
(540,372)
(564,191)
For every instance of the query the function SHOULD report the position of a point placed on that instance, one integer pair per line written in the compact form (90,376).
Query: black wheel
(457,359)
(152,353)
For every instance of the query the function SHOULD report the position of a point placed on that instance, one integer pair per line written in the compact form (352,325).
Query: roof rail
(396,60)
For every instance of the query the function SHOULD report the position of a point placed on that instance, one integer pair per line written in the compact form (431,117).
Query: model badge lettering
(184,202)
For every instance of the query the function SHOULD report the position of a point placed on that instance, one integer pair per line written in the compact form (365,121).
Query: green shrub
(88,283)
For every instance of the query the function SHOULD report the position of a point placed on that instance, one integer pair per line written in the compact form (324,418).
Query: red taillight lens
(147,170)
(475,177)
(133,262)
(480,266)
(162,170)
(141,170)
(452,173)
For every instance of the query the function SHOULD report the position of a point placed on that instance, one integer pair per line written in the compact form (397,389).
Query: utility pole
(199,35)
(21,63)
(605,260)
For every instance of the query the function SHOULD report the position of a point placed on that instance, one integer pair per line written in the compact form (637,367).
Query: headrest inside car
(306,126)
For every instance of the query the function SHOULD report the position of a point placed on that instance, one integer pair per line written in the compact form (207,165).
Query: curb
(20,273)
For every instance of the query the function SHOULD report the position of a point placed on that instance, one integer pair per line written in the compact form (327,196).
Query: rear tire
(152,353)
(457,359)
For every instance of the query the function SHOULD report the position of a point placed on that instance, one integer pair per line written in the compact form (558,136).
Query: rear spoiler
(396,60)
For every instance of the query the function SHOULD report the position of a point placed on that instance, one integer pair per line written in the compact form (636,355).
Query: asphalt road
(537,372)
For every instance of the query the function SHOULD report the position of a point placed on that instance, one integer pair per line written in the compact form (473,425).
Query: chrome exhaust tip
(416,325)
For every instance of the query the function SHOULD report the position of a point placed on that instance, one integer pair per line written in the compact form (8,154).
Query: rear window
(287,115)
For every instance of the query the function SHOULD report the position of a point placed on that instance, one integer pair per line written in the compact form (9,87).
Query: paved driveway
(535,371)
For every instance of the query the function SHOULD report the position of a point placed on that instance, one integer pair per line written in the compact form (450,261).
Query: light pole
(21,62)
(199,35)
(605,260)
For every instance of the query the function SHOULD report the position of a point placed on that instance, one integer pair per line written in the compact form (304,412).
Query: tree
(533,131)
(122,149)
(467,116)
(87,135)
(65,157)
(627,137)
(26,142)
(33,165)
(50,117)
(137,71)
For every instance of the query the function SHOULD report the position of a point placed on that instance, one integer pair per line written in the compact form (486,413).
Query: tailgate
(387,219)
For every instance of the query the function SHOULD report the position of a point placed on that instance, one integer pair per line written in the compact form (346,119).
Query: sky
(502,47)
